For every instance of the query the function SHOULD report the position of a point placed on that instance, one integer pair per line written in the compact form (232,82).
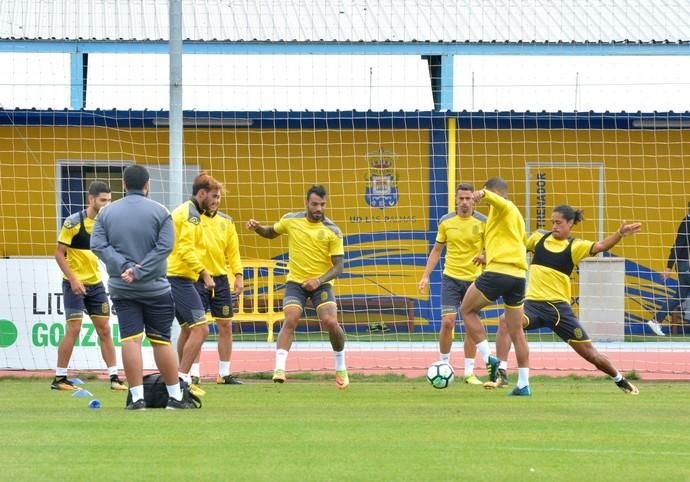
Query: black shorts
(151,315)
(217,301)
(95,302)
(295,295)
(558,317)
(189,310)
(496,285)
(452,293)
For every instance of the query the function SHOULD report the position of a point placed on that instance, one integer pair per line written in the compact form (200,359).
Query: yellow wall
(645,173)
(266,174)
(646,176)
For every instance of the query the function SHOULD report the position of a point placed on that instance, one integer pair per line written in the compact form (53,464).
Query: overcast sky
(130,81)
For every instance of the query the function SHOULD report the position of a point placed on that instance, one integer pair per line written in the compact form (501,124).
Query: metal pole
(175,184)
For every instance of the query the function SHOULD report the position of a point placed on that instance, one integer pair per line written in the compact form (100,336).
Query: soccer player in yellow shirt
(83,289)
(547,303)
(315,251)
(462,231)
(222,260)
(503,276)
(185,268)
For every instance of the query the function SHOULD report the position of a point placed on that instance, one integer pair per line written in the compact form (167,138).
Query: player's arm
(61,258)
(100,245)
(608,243)
(332,273)
(431,262)
(264,231)
(232,256)
(163,247)
(480,259)
(496,201)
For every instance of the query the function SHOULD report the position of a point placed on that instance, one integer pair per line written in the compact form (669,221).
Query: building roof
(353,20)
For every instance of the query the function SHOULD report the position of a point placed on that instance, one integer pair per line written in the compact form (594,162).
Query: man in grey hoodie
(133,237)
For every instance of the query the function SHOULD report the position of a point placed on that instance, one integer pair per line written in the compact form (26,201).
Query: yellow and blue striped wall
(387,174)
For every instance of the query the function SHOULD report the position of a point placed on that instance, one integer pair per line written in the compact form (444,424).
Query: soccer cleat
(627,387)
(473,380)
(502,379)
(197,390)
(279,376)
(379,328)
(138,405)
(228,380)
(492,368)
(183,404)
(196,380)
(655,327)
(521,392)
(61,383)
(117,384)
(342,380)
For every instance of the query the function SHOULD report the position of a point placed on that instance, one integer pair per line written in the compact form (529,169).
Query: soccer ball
(440,374)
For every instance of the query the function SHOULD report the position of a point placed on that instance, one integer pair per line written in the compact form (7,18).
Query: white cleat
(655,327)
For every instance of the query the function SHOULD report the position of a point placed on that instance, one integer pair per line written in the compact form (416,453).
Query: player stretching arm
(315,251)
(547,303)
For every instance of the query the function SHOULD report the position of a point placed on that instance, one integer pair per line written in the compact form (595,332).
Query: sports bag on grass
(156,394)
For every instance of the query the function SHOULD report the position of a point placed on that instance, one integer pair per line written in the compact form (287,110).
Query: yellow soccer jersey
(76,235)
(310,245)
(548,284)
(222,255)
(186,256)
(464,240)
(504,238)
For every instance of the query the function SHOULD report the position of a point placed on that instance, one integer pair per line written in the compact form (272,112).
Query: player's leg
(327,311)
(454,300)
(182,339)
(225,376)
(503,342)
(65,348)
(569,329)
(479,295)
(451,295)
(589,352)
(74,308)
(205,295)
(102,325)
(503,345)
(293,305)
(130,314)
(513,321)
(96,302)
(513,299)
(198,332)
(469,310)
(220,303)
(192,316)
(445,336)
(160,314)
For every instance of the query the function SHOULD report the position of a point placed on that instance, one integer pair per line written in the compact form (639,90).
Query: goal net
(389,162)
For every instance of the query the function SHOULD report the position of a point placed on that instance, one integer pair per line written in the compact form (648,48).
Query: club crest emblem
(382,180)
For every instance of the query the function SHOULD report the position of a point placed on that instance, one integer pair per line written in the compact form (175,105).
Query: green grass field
(381,428)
